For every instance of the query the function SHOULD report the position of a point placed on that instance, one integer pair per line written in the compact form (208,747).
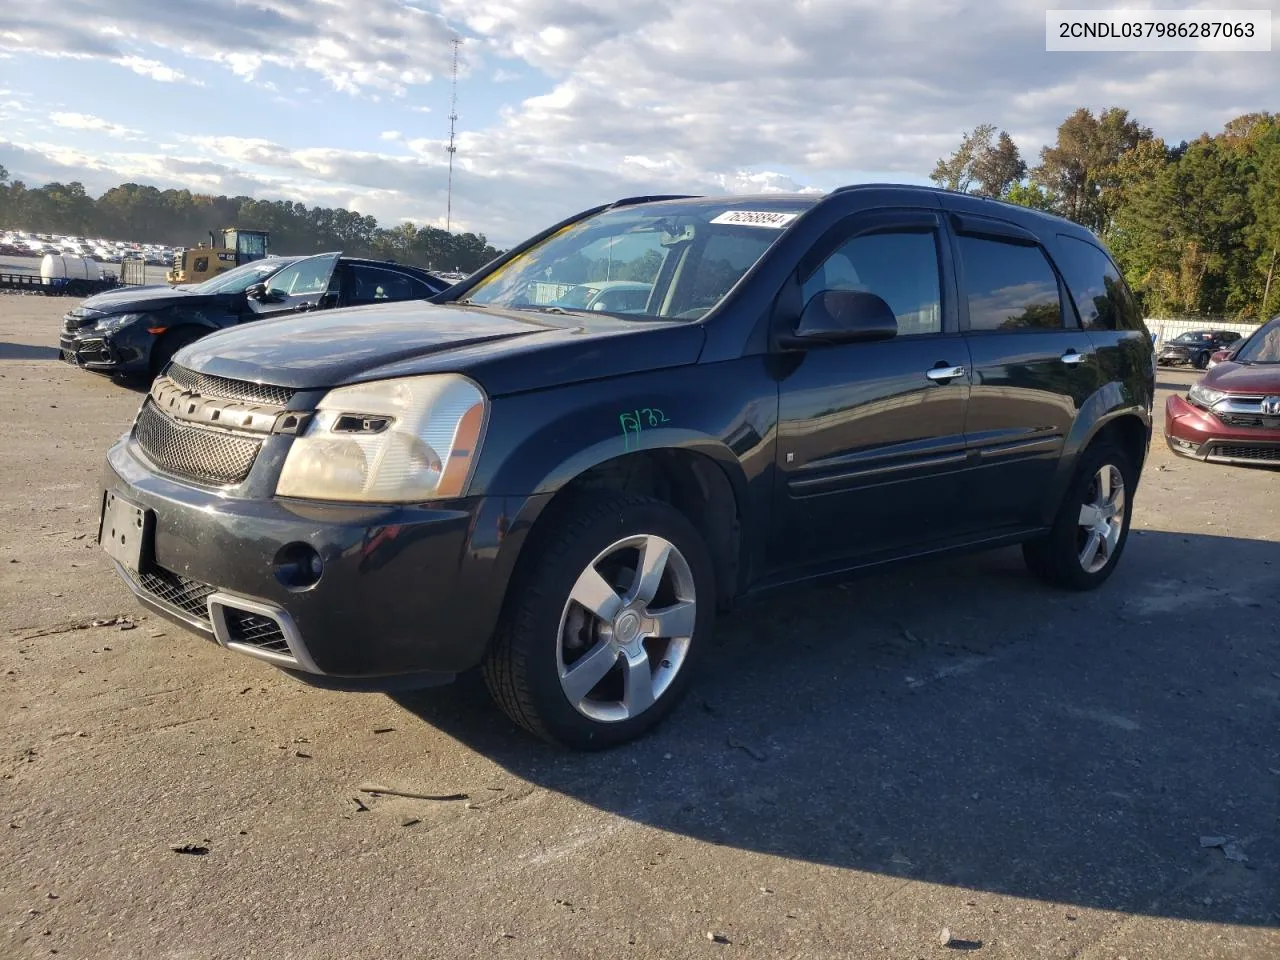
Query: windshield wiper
(468,302)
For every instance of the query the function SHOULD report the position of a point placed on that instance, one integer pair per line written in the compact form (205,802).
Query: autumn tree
(1079,169)
(980,165)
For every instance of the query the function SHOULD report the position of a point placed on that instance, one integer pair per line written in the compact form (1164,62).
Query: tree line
(1194,226)
(133,212)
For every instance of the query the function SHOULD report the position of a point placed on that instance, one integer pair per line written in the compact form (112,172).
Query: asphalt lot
(947,745)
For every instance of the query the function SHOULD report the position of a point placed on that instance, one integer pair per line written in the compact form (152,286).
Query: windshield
(673,260)
(1193,338)
(242,277)
(1262,347)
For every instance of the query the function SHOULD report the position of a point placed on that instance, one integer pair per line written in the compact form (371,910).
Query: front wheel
(606,621)
(1082,548)
(1202,361)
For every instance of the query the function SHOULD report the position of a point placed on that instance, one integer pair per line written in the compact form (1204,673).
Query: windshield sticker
(756,218)
(634,421)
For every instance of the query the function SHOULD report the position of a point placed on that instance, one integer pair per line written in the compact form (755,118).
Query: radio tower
(453,124)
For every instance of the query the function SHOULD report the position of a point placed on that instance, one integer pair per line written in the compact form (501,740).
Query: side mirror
(256,291)
(842,316)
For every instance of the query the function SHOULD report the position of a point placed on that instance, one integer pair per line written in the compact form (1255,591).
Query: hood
(1244,377)
(135,299)
(505,351)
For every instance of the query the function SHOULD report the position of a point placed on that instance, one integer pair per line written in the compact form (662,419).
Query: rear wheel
(600,636)
(1089,533)
(169,344)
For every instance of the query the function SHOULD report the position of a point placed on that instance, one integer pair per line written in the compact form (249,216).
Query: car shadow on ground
(26,351)
(957,723)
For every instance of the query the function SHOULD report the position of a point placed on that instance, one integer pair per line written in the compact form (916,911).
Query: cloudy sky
(562,103)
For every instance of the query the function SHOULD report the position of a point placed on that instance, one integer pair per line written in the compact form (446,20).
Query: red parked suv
(1233,414)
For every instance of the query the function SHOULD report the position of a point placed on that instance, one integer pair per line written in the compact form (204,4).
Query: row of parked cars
(18,243)
(560,468)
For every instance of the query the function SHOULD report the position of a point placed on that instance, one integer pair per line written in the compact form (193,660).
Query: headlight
(390,441)
(116,322)
(1204,396)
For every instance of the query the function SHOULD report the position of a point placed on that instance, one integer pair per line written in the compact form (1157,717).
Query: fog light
(298,566)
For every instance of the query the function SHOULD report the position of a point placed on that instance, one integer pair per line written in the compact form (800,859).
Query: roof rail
(630,201)
(897,186)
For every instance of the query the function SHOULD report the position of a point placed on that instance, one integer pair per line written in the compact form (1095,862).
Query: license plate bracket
(125,530)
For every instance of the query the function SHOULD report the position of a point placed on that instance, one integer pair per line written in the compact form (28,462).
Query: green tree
(1029,195)
(1262,239)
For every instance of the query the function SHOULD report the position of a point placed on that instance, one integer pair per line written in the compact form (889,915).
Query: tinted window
(1101,295)
(1009,286)
(372,285)
(900,268)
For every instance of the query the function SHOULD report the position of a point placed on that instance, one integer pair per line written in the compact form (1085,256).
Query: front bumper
(126,351)
(1193,432)
(408,595)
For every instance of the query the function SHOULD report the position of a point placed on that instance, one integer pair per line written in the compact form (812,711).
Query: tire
(1201,361)
(1058,557)
(173,341)
(544,632)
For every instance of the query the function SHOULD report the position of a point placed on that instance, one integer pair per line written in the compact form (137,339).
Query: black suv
(565,497)
(135,331)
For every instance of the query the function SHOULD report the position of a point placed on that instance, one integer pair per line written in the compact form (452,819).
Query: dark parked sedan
(1196,347)
(135,331)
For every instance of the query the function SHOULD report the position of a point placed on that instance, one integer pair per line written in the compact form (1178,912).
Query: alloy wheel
(626,628)
(1101,519)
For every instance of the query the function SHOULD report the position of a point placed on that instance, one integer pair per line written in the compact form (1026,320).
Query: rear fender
(1108,404)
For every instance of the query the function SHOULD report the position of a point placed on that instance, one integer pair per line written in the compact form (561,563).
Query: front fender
(536,443)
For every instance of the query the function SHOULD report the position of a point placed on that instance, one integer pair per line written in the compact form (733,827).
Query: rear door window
(1100,293)
(1008,286)
(374,285)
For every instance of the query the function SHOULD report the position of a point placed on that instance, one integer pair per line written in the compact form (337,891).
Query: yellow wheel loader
(197,264)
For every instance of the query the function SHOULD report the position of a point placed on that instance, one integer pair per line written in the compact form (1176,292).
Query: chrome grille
(254,630)
(189,596)
(207,455)
(224,388)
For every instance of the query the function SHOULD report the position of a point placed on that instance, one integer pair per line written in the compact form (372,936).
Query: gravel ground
(949,745)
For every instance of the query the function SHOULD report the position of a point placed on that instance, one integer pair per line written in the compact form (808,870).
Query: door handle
(1072,357)
(305,306)
(944,373)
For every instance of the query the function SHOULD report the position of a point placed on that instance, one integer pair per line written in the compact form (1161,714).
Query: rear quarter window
(1099,291)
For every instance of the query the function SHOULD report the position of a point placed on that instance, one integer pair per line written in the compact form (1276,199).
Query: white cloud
(505,76)
(390,135)
(161,73)
(85,121)
(354,45)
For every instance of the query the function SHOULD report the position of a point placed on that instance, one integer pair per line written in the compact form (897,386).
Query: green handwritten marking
(633,423)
